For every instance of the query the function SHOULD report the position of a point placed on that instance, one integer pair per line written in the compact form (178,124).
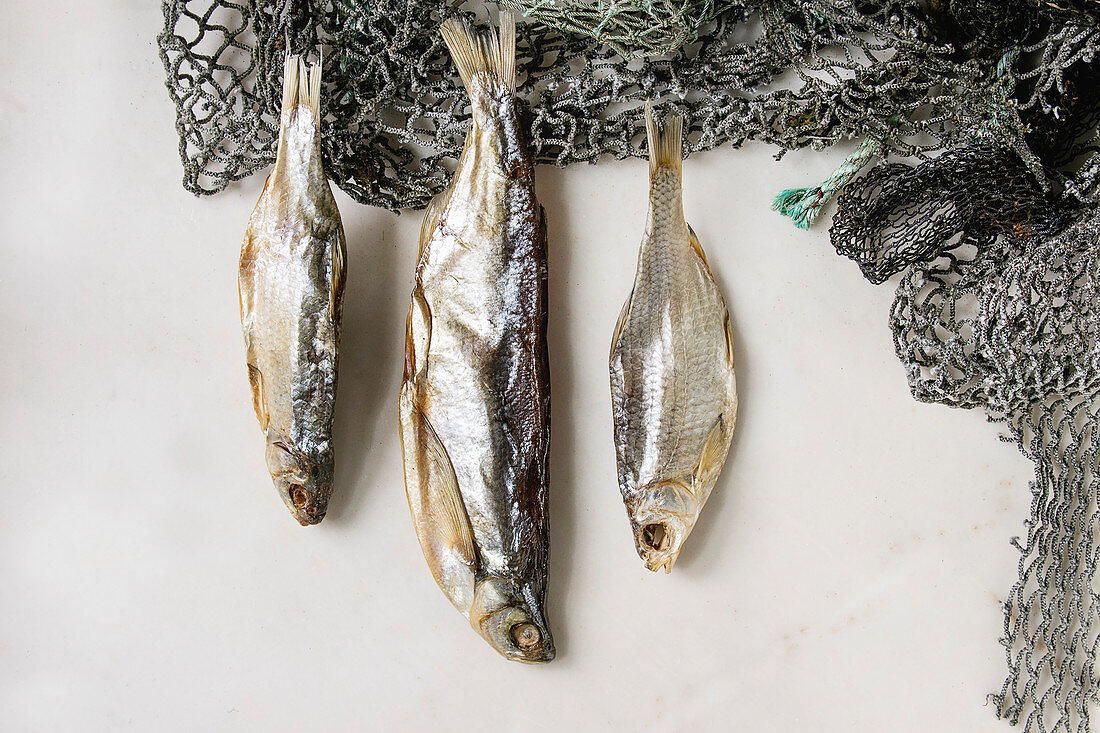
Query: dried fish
(291,285)
(673,388)
(475,398)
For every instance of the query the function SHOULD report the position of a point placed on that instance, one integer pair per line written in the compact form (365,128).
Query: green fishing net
(978,117)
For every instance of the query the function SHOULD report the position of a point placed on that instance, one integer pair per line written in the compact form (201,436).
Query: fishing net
(998,307)
(1004,316)
(631,27)
(987,217)
(395,113)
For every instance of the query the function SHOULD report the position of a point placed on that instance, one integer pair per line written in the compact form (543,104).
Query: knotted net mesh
(1008,319)
(632,27)
(998,307)
(990,224)
(966,334)
(793,74)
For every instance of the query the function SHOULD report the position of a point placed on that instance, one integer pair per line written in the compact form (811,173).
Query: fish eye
(525,635)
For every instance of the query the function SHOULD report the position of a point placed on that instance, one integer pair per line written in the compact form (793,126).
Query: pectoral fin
(439,513)
(259,399)
(729,339)
(418,335)
(439,487)
(339,271)
(246,298)
(711,458)
(282,463)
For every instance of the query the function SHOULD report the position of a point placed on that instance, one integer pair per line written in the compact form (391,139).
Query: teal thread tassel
(804,204)
(801,204)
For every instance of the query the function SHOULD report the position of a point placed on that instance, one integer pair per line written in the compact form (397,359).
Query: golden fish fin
(729,339)
(694,239)
(259,399)
(443,513)
(620,323)
(303,82)
(665,145)
(418,334)
(309,87)
(301,86)
(245,273)
(339,268)
(284,462)
(431,219)
(245,296)
(713,453)
(490,56)
(291,65)
(313,96)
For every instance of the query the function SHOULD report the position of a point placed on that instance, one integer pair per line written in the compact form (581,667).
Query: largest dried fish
(291,286)
(475,398)
(673,389)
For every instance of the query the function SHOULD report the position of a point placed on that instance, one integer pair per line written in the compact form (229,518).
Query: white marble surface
(845,576)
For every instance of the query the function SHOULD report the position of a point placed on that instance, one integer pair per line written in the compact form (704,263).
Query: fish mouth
(662,517)
(306,509)
(658,544)
(304,485)
(307,519)
(530,644)
(510,624)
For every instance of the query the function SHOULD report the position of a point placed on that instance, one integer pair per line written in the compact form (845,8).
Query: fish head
(305,485)
(512,625)
(662,517)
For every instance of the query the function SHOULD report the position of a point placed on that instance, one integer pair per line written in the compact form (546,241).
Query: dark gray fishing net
(1011,324)
(789,73)
(998,307)
(991,221)
(633,28)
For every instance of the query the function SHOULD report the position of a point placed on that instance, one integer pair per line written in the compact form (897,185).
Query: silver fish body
(475,397)
(291,284)
(673,386)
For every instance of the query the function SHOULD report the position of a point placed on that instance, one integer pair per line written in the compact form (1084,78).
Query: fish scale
(475,396)
(673,387)
(291,283)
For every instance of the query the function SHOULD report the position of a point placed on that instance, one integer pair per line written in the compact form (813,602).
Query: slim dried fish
(291,285)
(673,387)
(475,400)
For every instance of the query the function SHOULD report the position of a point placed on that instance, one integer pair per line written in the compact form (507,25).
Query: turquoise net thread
(804,205)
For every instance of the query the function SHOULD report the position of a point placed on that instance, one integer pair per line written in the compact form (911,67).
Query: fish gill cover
(980,123)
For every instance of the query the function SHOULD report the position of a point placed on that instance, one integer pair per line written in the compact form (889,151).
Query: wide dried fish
(673,389)
(475,399)
(291,285)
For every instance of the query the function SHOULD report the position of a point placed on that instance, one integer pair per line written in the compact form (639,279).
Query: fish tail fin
(301,89)
(301,84)
(489,56)
(291,65)
(665,145)
(314,98)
